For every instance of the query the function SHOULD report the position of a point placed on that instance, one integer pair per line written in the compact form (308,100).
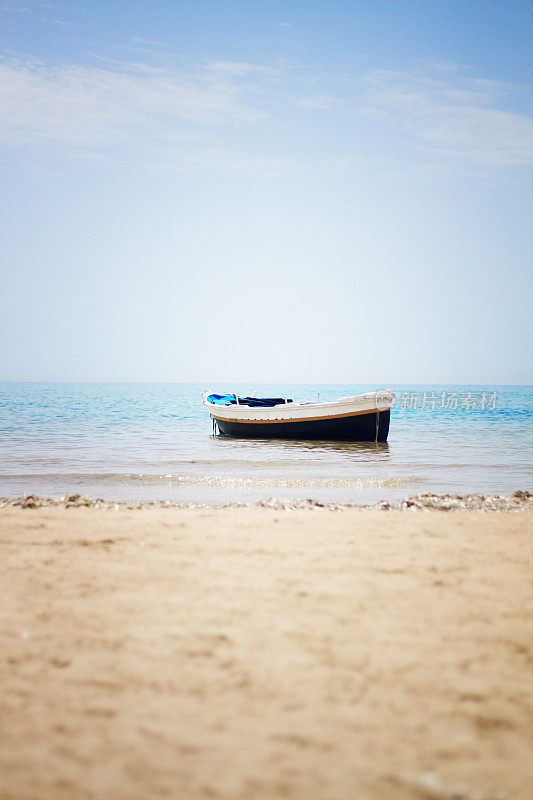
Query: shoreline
(521,500)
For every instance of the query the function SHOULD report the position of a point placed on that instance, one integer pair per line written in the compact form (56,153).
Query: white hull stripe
(295,419)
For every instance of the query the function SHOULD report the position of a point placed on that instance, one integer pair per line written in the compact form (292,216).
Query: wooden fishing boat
(363,418)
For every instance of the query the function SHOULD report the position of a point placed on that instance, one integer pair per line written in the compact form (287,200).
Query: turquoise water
(154,442)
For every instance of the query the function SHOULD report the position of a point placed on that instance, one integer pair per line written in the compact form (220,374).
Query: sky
(266,190)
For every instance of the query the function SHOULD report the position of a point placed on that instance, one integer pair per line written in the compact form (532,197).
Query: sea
(145,442)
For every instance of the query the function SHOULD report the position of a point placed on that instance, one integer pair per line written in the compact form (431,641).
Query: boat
(362,418)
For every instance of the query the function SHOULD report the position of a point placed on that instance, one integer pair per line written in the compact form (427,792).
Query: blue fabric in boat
(221,399)
(231,399)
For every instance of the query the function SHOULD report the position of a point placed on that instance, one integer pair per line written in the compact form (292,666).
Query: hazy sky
(263,190)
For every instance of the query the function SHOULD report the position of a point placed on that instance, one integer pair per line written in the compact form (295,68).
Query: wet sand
(257,654)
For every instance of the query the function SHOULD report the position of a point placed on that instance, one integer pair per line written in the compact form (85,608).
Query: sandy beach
(261,654)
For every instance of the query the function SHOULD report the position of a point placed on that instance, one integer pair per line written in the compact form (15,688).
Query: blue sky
(266,191)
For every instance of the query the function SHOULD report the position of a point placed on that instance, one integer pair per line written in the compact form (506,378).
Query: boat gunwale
(302,418)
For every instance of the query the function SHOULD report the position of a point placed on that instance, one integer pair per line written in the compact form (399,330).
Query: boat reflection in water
(352,451)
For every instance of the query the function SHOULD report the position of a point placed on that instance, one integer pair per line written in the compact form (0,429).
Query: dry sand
(257,654)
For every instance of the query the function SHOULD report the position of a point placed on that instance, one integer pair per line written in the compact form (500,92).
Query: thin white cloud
(94,107)
(153,110)
(453,116)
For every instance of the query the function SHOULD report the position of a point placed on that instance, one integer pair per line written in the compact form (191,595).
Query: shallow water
(154,442)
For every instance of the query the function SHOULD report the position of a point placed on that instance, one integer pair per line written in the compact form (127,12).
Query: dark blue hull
(371,427)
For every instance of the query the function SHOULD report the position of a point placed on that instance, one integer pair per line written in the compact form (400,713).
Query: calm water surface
(154,442)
